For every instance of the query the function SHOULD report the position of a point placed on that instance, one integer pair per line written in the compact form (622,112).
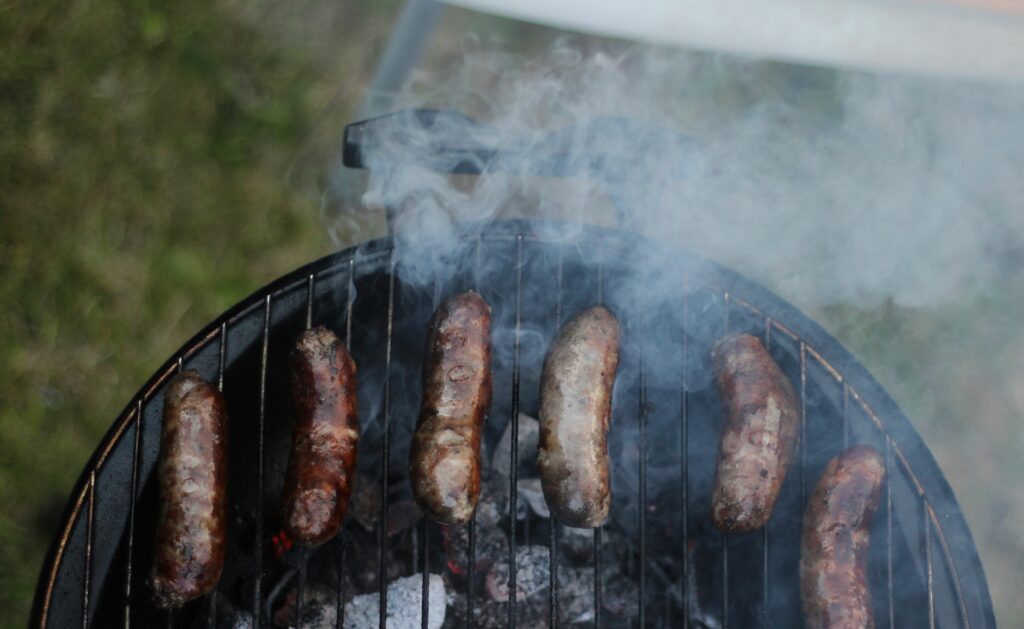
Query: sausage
(575,413)
(444,459)
(836,536)
(759,434)
(322,463)
(192,478)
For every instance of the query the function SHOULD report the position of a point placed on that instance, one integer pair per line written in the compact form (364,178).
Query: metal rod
(264,355)
(724,539)
(425,593)
(928,563)
(89,527)
(597,531)
(684,459)
(471,559)
(803,425)
(513,487)
(300,588)
(553,522)
(642,453)
(846,415)
(211,600)
(339,598)
(597,577)
(888,532)
(765,598)
(386,451)
(129,556)
(310,289)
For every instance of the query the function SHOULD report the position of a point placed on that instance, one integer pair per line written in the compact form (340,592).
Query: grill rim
(942,511)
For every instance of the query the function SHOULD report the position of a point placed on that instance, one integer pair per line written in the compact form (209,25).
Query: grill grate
(99,555)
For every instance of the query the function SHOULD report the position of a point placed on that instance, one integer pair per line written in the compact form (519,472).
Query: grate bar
(765,536)
(339,598)
(129,556)
(642,516)
(553,522)
(300,588)
(598,598)
(513,488)
(723,537)
(803,425)
(211,600)
(928,563)
(471,559)
(264,355)
(684,447)
(386,451)
(89,527)
(888,532)
(425,594)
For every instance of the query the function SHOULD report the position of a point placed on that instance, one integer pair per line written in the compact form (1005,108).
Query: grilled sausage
(444,460)
(322,464)
(759,435)
(193,475)
(834,555)
(575,413)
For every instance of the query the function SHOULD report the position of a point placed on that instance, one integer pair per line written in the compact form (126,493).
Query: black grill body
(924,568)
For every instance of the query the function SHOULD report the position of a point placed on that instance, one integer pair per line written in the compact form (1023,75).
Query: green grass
(155,167)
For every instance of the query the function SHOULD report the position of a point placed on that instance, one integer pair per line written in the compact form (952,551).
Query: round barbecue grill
(924,568)
(656,562)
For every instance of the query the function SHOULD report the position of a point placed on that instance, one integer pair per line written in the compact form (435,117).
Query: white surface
(965,38)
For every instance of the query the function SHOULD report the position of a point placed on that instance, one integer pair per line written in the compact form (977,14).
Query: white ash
(532,574)
(529,435)
(531,494)
(404,605)
(319,609)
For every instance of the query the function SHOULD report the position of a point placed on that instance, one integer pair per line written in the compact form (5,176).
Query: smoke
(830,187)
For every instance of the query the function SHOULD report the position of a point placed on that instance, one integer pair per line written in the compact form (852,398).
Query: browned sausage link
(322,463)
(759,434)
(193,475)
(575,413)
(444,459)
(833,560)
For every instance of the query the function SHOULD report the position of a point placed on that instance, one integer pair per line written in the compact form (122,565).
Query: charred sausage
(322,464)
(444,459)
(575,413)
(192,477)
(759,434)
(836,536)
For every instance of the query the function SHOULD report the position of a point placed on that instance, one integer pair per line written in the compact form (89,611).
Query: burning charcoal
(576,595)
(365,502)
(230,616)
(404,605)
(619,593)
(491,542)
(530,493)
(403,515)
(532,574)
(319,608)
(529,435)
(363,558)
(576,545)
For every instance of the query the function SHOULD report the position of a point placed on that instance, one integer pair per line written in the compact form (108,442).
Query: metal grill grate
(921,544)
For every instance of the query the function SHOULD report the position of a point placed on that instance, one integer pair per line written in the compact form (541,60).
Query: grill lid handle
(451,142)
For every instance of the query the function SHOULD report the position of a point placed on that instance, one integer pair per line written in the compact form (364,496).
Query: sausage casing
(192,477)
(575,414)
(759,435)
(322,464)
(836,536)
(444,458)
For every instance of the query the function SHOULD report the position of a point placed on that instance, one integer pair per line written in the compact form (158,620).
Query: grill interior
(657,553)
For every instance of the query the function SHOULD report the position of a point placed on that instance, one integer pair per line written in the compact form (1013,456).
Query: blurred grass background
(161,160)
